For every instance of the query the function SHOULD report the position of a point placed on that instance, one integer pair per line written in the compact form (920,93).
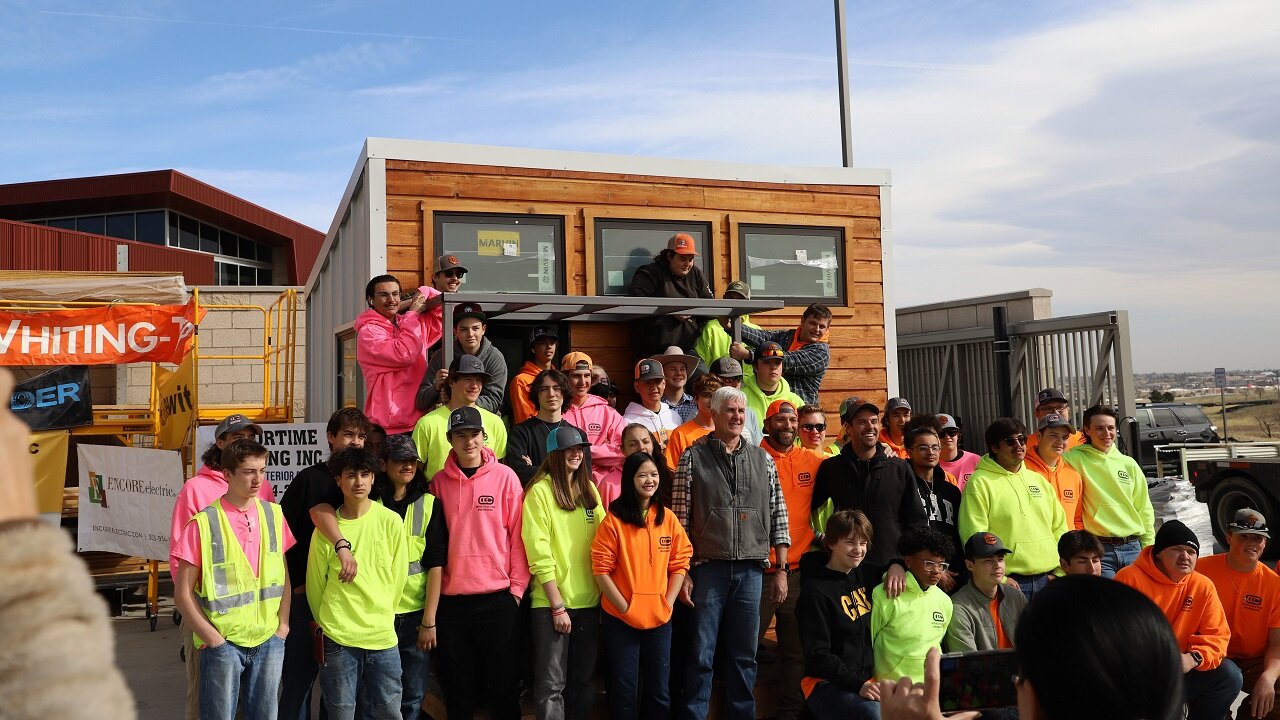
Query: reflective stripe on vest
(229,589)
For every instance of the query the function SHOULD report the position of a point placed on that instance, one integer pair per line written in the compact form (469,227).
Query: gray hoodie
(490,397)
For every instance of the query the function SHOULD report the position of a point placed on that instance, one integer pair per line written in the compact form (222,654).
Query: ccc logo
(1188,602)
(1253,601)
(938,617)
(485,500)
(664,541)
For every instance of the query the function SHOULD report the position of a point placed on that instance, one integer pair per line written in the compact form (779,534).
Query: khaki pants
(790,654)
(193,671)
(1251,669)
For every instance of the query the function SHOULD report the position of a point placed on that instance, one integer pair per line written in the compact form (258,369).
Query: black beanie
(1173,533)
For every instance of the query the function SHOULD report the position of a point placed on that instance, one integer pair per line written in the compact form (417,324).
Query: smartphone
(980,680)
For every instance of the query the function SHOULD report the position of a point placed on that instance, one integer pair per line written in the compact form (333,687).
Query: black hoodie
(834,613)
(883,488)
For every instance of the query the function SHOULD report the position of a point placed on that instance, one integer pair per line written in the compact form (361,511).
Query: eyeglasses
(928,448)
(932,566)
(815,427)
(1015,441)
(452,274)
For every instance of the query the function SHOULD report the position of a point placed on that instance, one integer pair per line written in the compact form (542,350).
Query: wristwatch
(1195,655)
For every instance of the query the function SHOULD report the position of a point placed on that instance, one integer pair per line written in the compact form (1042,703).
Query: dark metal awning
(531,307)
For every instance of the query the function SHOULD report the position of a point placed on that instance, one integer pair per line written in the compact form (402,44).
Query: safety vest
(416,518)
(245,609)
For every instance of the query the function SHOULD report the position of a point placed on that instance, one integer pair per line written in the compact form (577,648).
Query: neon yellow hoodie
(1116,503)
(1021,508)
(904,628)
(558,544)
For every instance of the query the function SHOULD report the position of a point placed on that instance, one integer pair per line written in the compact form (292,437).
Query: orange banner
(109,335)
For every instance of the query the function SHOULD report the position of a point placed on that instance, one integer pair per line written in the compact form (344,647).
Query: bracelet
(558,613)
(426,627)
(340,546)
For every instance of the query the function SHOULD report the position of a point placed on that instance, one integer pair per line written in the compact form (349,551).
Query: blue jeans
(1030,584)
(227,668)
(415,665)
(1115,557)
(829,701)
(371,675)
(726,611)
(1210,693)
(637,658)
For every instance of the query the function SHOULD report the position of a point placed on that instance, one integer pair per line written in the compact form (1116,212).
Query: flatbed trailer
(1246,477)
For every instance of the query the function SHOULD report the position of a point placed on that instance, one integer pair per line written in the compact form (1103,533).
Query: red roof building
(159,220)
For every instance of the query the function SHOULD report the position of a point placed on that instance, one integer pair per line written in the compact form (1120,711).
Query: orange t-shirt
(681,438)
(1066,482)
(1002,640)
(1251,602)
(797,469)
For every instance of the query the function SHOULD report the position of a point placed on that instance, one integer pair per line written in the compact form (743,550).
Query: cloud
(323,71)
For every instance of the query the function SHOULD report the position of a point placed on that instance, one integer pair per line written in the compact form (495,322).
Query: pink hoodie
(486,552)
(197,494)
(603,426)
(393,358)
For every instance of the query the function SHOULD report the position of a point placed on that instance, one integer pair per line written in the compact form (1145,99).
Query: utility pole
(842,72)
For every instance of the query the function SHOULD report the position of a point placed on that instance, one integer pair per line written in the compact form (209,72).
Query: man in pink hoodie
(392,338)
(602,424)
(485,575)
(202,490)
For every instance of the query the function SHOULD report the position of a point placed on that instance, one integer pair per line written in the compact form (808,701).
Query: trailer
(1232,476)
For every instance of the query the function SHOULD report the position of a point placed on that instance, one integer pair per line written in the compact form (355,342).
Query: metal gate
(1087,357)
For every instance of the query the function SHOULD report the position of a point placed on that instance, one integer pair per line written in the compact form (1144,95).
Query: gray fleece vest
(729,502)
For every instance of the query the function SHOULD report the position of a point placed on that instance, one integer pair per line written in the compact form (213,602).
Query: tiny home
(554,223)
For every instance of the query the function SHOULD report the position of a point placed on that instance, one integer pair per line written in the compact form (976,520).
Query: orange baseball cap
(780,407)
(576,362)
(682,244)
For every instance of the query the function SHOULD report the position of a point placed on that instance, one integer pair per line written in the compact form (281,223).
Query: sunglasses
(452,274)
(950,433)
(1015,441)
(814,427)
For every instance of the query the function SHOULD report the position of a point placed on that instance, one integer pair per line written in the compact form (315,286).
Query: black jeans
(300,666)
(478,654)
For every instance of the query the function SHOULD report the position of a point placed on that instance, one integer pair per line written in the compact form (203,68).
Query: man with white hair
(727,495)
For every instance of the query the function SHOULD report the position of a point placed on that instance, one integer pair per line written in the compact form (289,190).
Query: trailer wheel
(1231,495)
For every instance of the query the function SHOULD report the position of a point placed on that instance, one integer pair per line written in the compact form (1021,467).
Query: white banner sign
(292,447)
(126,499)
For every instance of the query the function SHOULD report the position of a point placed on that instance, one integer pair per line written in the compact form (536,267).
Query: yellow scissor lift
(139,425)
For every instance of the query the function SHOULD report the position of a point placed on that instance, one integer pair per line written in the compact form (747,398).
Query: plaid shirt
(682,494)
(686,408)
(803,368)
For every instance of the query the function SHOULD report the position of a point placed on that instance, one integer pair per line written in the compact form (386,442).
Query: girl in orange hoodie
(640,557)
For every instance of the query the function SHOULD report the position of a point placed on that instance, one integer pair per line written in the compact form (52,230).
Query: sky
(1125,155)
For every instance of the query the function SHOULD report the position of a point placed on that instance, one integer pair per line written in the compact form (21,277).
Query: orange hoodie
(518,393)
(1033,439)
(639,561)
(797,468)
(1066,482)
(1191,605)
(894,447)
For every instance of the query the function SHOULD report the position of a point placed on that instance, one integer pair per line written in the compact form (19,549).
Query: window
(349,379)
(150,227)
(63,223)
(624,245)
(95,224)
(188,233)
(1164,418)
(1190,415)
(120,226)
(208,238)
(505,253)
(798,264)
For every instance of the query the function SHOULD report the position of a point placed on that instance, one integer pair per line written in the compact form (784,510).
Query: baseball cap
(780,407)
(399,447)
(468,365)
(1249,522)
(984,544)
(854,405)
(737,286)
(948,422)
(1049,395)
(576,362)
(543,332)
(769,350)
(1054,420)
(466,310)
(727,367)
(465,418)
(566,436)
(649,369)
(897,404)
(682,244)
(448,262)
(232,423)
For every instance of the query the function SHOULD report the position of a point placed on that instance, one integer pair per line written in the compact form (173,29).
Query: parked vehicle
(1165,423)
(1229,484)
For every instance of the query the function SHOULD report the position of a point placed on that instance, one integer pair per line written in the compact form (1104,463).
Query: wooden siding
(416,190)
